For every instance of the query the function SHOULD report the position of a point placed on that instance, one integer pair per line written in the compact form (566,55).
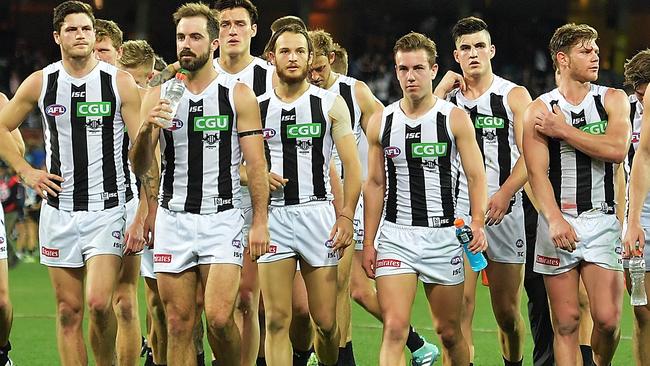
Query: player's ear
(434,71)
(331,58)
(56,36)
(493,51)
(254,28)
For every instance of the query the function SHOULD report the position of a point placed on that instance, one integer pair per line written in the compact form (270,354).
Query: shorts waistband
(433,222)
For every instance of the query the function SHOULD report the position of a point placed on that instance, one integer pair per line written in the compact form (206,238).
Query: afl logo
(54,110)
(456,260)
(636,137)
(519,243)
(176,124)
(392,151)
(268,133)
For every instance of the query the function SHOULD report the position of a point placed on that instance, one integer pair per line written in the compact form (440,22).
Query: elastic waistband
(433,222)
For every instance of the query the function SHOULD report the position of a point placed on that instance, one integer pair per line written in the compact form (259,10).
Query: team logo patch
(162,258)
(429,149)
(176,124)
(52,253)
(210,140)
(54,110)
(329,244)
(273,249)
(211,123)
(117,234)
(519,243)
(388,263)
(93,109)
(392,152)
(549,261)
(268,133)
(456,260)
(236,244)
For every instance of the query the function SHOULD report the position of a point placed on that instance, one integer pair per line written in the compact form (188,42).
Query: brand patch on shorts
(456,260)
(329,244)
(519,243)
(388,263)
(236,244)
(117,234)
(549,261)
(162,258)
(52,253)
(618,250)
(273,249)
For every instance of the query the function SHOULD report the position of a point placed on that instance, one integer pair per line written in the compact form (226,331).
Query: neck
(478,84)
(331,80)
(198,80)
(572,90)
(235,63)
(79,67)
(290,92)
(417,107)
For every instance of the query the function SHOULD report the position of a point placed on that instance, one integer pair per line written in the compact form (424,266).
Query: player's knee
(218,320)
(361,296)
(396,328)
(99,306)
(507,319)
(607,323)
(325,324)
(567,323)
(70,316)
(5,304)
(642,315)
(180,323)
(246,305)
(449,335)
(125,308)
(277,321)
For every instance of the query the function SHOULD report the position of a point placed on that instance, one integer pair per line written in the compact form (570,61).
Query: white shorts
(434,254)
(185,240)
(646,249)
(507,241)
(3,235)
(70,238)
(131,209)
(248,220)
(302,231)
(358,225)
(146,263)
(600,243)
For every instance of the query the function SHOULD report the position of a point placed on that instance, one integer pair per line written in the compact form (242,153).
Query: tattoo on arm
(151,182)
(162,76)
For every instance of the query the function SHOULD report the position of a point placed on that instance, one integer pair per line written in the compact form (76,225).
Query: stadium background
(520,30)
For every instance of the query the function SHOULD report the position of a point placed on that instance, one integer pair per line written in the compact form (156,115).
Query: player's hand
(42,182)
(369,259)
(341,233)
(634,241)
(158,112)
(562,234)
(497,207)
(134,238)
(150,228)
(276,181)
(449,82)
(551,123)
(479,242)
(258,241)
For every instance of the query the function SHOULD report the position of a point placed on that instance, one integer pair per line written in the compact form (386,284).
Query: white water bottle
(173,92)
(638,297)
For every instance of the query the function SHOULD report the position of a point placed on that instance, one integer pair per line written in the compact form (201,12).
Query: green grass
(34,343)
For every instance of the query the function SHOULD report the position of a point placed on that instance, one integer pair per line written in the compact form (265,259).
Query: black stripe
(417,187)
(169,164)
(630,152)
(609,167)
(50,124)
(259,80)
(125,166)
(108,143)
(264,110)
(318,167)
(555,165)
(444,167)
(194,195)
(453,100)
(79,150)
(346,93)
(583,170)
(391,199)
(478,132)
(602,113)
(503,136)
(289,158)
(225,151)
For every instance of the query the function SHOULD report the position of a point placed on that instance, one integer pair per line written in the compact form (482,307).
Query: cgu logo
(483,121)
(392,152)
(268,133)
(211,123)
(305,130)
(595,128)
(93,109)
(429,149)
(176,124)
(54,110)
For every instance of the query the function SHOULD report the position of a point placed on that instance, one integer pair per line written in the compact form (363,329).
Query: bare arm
(373,193)
(130,107)
(368,103)
(449,82)
(142,151)
(18,138)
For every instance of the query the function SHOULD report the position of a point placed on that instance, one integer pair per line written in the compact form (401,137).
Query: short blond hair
(136,53)
(568,36)
(637,69)
(340,64)
(322,41)
(108,29)
(417,41)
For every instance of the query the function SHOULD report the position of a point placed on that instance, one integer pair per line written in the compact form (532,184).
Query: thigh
(562,290)
(604,290)
(396,294)
(221,284)
(68,286)
(101,276)
(444,302)
(4,279)
(276,282)
(506,281)
(130,271)
(178,292)
(321,290)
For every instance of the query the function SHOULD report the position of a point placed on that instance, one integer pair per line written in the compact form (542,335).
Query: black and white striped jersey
(201,152)
(420,160)
(493,123)
(636,113)
(84,132)
(580,183)
(258,75)
(131,181)
(298,144)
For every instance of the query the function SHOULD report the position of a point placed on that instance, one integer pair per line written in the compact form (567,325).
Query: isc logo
(81,94)
(429,150)
(392,152)
(413,135)
(54,110)
(305,130)
(483,121)
(595,128)
(196,108)
(289,117)
(211,123)
(93,109)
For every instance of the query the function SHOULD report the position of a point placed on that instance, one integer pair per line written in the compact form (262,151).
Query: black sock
(200,359)
(471,364)
(300,358)
(261,361)
(587,355)
(510,363)
(414,342)
(4,353)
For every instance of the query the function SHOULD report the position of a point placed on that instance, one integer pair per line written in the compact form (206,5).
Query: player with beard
(302,124)
(86,105)
(574,136)
(216,122)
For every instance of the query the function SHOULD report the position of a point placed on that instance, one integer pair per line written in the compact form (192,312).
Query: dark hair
(291,28)
(220,5)
(108,28)
(70,7)
(568,36)
(637,69)
(469,25)
(199,10)
(417,41)
(286,20)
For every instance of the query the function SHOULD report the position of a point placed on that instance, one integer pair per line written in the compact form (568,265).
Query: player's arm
(141,153)
(537,163)
(337,187)
(368,103)
(130,107)
(639,186)
(12,115)
(346,146)
(611,146)
(470,157)
(166,74)
(449,82)
(518,100)
(249,126)
(373,193)
(17,137)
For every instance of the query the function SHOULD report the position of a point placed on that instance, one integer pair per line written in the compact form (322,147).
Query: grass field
(33,334)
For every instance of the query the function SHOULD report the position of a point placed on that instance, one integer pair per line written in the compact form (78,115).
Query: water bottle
(173,93)
(465,236)
(638,296)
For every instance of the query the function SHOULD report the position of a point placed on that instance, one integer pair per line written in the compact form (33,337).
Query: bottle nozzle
(459,222)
